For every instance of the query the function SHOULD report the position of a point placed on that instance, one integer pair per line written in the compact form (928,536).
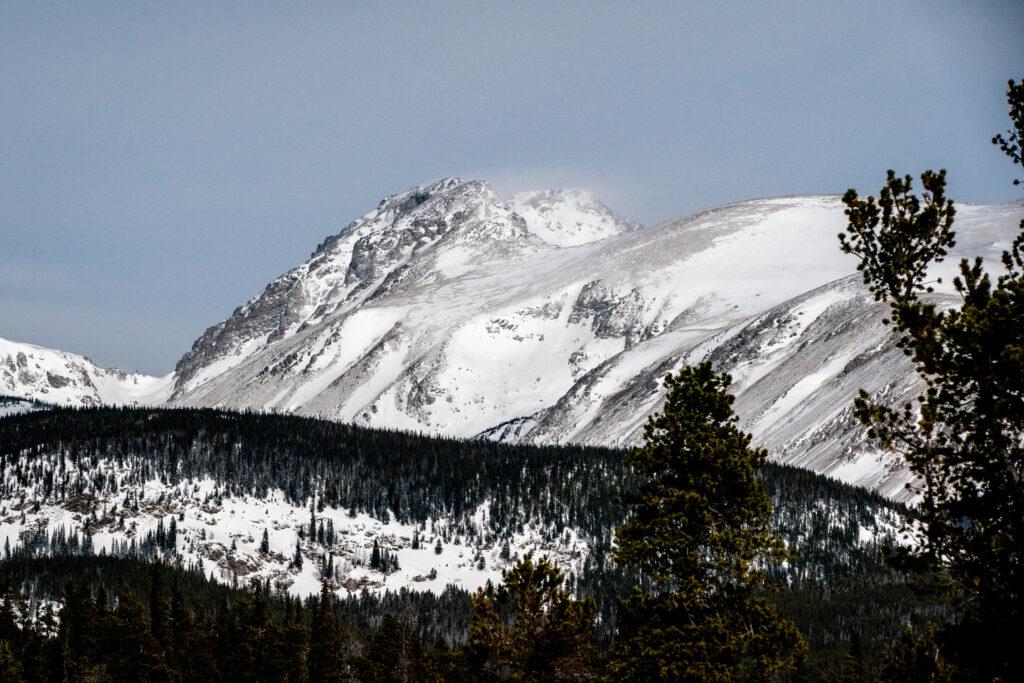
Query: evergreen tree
(393,653)
(172,536)
(296,643)
(853,662)
(78,631)
(699,532)
(265,543)
(375,560)
(916,657)
(134,654)
(326,642)
(181,646)
(964,438)
(10,667)
(158,607)
(543,635)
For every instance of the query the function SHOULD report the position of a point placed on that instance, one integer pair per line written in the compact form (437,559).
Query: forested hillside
(99,493)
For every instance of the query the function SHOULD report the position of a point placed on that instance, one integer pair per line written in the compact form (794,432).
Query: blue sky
(160,162)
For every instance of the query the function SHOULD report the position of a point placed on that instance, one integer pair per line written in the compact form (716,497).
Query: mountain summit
(549,319)
(569,218)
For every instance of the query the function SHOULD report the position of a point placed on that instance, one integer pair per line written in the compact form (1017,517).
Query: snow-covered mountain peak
(449,310)
(569,218)
(62,378)
(446,208)
(418,201)
(426,233)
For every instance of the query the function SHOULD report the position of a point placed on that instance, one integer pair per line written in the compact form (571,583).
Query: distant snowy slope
(448,310)
(549,319)
(63,378)
(10,405)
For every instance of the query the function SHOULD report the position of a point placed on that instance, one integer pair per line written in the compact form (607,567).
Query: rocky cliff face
(389,249)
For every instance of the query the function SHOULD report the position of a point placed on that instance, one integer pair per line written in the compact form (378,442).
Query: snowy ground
(223,534)
(17,407)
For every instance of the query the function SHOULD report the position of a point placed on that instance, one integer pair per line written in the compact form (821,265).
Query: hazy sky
(160,162)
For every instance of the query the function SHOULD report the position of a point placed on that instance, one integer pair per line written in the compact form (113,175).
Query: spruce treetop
(701,515)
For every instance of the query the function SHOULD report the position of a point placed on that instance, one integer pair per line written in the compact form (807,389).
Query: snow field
(223,534)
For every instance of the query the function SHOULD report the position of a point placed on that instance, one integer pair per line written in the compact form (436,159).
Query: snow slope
(222,533)
(568,218)
(113,503)
(62,378)
(449,310)
(548,319)
(18,406)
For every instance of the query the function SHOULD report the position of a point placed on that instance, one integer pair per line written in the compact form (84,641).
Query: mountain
(547,319)
(62,378)
(569,218)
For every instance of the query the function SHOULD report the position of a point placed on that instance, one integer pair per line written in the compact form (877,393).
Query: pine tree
(375,562)
(158,607)
(326,641)
(916,657)
(964,438)
(297,558)
(180,633)
(699,531)
(546,635)
(393,653)
(10,668)
(134,653)
(172,536)
(853,662)
(296,639)
(265,543)
(78,631)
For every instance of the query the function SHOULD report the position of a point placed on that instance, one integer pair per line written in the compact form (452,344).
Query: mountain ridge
(445,311)
(61,377)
